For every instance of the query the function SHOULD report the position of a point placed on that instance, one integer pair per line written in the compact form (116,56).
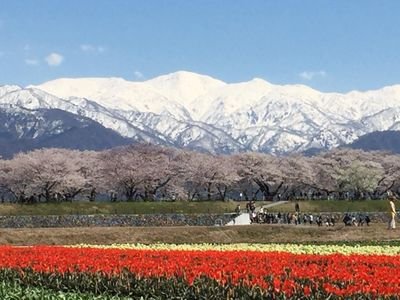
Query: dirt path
(274,204)
(227,234)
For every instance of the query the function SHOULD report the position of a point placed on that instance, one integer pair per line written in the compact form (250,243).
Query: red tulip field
(162,273)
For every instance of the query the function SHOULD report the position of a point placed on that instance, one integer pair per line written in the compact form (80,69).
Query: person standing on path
(392,222)
(297,207)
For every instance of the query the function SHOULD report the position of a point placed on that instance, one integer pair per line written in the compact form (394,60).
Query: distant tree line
(151,173)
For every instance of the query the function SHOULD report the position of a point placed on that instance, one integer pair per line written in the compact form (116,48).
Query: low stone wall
(114,220)
(142,220)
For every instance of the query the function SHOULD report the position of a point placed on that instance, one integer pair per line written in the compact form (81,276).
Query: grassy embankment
(335,206)
(186,234)
(80,207)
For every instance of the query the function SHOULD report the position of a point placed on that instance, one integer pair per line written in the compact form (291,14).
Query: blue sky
(337,45)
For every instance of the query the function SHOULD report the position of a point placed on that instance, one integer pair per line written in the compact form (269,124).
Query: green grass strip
(15,291)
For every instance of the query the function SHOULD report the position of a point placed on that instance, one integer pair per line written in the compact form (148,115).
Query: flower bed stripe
(291,248)
(269,274)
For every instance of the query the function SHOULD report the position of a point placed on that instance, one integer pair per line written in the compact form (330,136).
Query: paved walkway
(244,218)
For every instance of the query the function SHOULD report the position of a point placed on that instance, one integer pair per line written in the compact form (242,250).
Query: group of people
(291,218)
(263,216)
(356,220)
(297,218)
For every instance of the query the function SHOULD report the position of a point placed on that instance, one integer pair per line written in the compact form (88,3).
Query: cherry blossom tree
(264,170)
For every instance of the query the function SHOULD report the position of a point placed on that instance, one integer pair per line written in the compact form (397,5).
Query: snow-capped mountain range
(185,109)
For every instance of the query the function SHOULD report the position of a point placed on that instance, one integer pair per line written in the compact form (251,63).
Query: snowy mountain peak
(4,89)
(84,87)
(115,93)
(193,110)
(186,76)
(184,87)
(257,80)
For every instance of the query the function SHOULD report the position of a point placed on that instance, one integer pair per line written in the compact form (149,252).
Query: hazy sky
(330,45)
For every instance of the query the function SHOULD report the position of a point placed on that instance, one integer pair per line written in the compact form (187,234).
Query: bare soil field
(179,235)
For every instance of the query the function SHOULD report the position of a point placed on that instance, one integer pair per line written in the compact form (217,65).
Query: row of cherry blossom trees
(150,173)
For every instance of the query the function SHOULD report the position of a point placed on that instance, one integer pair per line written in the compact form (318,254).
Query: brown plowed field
(226,234)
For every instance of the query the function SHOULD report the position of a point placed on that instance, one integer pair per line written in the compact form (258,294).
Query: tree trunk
(130,192)
(222,192)
(209,191)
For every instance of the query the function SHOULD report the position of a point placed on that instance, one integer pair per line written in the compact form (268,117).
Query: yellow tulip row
(292,248)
